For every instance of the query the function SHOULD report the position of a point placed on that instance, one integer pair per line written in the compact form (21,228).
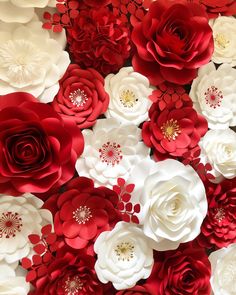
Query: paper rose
(223,278)
(30,60)
(111,150)
(219,149)
(38,150)
(214,95)
(20,217)
(12,281)
(124,256)
(224,31)
(128,91)
(81,97)
(166,49)
(173,202)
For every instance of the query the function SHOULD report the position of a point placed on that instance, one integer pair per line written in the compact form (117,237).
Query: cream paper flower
(124,256)
(20,217)
(219,149)
(30,60)
(224,34)
(21,11)
(223,278)
(111,150)
(128,91)
(12,280)
(214,95)
(173,202)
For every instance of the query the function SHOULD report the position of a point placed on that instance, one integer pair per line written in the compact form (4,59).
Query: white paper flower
(173,202)
(128,91)
(124,256)
(223,266)
(214,95)
(21,11)
(30,60)
(12,281)
(219,149)
(111,150)
(224,32)
(20,217)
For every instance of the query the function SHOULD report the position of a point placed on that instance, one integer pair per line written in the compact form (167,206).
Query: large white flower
(124,256)
(173,202)
(224,32)
(12,280)
(30,60)
(20,217)
(223,266)
(219,149)
(128,91)
(111,150)
(21,11)
(214,95)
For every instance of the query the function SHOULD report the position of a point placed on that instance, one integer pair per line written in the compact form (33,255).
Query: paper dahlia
(111,150)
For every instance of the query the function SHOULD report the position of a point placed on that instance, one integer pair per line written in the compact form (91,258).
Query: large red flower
(99,39)
(172,41)
(81,97)
(38,150)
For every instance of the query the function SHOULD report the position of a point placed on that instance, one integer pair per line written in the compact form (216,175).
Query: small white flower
(128,91)
(214,95)
(224,34)
(219,149)
(111,150)
(124,256)
(173,202)
(20,217)
(223,265)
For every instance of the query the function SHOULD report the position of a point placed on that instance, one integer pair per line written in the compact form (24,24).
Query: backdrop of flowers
(117,147)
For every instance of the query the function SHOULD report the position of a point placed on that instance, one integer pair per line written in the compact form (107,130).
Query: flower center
(124,251)
(78,98)
(219,214)
(110,153)
(73,285)
(221,40)
(82,214)
(171,129)
(128,98)
(10,223)
(213,97)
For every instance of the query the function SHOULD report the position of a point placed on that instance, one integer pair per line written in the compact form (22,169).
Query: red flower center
(110,153)
(213,97)
(78,97)
(82,214)
(73,285)
(10,223)
(170,129)
(219,214)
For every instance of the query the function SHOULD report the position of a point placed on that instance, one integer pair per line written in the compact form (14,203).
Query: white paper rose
(219,149)
(214,95)
(173,202)
(30,60)
(124,256)
(21,11)
(128,91)
(223,278)
(12,280)
(111,150)
(20,217)
(224,32)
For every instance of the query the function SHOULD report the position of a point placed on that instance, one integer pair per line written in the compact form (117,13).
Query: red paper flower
(137,290)
(172,132)
(218,228)
(96,3)
(99,39)
(38,150)
(81,97)
(172,41)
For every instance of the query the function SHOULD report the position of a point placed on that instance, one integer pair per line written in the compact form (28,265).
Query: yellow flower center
(221,40)
(125,251)
(128,98)
(171,129)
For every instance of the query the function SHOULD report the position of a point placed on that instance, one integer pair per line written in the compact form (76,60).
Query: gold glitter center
(171,129)
(125,251)
(128,98)
(221,40)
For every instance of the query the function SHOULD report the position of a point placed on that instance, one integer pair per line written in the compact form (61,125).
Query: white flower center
(10,223)
(171,129)
(128,98)
(213,97)
(124,251)
(110,153)
(78,98)
(73,286)
(82,214)
(221,40)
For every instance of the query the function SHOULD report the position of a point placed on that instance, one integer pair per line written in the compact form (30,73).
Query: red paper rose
(172,41)
(137,290)
(81,97)
(38,150)
(99,39)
